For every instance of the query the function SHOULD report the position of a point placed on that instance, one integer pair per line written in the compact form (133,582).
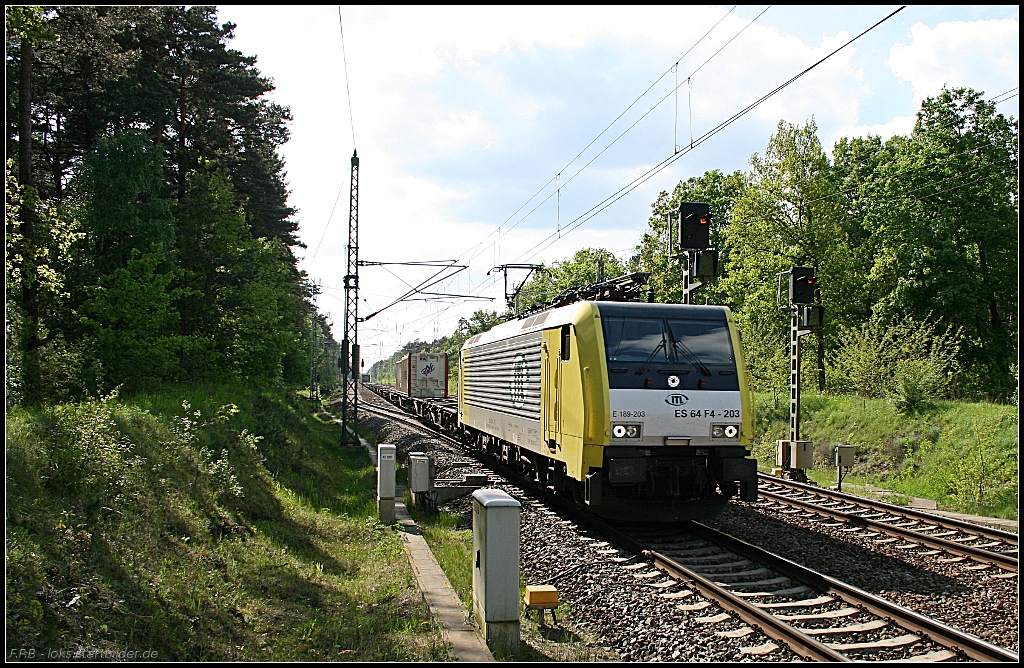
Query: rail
(980,554)
(801,643)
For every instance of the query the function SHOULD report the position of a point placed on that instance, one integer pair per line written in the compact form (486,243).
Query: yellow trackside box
(541,595)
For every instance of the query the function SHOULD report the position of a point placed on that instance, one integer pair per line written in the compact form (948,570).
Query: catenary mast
(349,361)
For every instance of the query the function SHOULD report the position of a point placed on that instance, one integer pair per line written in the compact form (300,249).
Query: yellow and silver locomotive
(641,411)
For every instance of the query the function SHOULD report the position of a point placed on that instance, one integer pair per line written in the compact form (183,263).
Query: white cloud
(983,55)
(899,125)
(461,113)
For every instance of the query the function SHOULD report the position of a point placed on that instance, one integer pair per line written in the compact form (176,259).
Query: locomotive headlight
(627,430)
(725,430)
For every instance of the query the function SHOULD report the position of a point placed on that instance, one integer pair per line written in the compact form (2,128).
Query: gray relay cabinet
(496,567)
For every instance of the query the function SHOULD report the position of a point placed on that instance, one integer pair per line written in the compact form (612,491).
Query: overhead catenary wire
(597,208)
(583,218)
(336,200)
(630,127)
(598,136)
(352,125)
(930,165)
(635,183)
(348,92)
(996,100)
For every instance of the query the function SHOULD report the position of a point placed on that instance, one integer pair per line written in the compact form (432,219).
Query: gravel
(626,616)
(629,619)
(973,601)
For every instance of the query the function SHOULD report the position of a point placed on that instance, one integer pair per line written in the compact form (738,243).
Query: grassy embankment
(231,529)
(962,455)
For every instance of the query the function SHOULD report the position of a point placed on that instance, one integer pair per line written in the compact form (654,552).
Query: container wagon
(423,375)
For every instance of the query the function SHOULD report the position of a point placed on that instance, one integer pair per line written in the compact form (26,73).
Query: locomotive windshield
(707,340)
(667,340)
(635,339)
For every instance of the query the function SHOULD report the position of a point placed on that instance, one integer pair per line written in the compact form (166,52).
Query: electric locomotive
(640,411)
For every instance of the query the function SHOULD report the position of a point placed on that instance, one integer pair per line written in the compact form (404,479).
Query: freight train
(638,411)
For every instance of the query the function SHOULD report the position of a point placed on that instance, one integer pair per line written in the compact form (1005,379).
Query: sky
(487,135)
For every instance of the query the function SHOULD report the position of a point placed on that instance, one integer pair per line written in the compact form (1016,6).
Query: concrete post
(386,484)
(496,568)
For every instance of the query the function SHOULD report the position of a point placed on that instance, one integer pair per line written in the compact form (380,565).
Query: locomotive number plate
(706,413)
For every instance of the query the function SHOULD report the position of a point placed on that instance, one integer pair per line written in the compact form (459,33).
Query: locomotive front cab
(680,418)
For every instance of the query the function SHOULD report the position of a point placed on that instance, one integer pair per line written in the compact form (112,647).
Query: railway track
(905,528)
(818,617)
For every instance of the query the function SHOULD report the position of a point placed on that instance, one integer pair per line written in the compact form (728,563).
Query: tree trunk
(30,279)
(25,113)
(58,165)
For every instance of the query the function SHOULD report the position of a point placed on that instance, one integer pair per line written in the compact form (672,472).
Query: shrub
(88,455)
(909,361)
(915,384)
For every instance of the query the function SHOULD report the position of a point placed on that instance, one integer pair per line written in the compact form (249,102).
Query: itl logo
(429,369)
(676,399)
(520,377)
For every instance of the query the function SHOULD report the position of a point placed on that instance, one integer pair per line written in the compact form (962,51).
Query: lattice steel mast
(350,341)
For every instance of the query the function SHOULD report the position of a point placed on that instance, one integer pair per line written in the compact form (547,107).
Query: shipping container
(423,375)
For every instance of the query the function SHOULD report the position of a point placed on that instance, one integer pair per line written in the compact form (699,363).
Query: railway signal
(700,261)
(801,285)
(793,456)
(694,225)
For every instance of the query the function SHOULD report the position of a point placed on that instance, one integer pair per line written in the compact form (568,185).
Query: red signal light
(703,221)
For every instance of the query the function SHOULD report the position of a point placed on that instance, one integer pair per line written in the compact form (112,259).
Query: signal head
(694,225)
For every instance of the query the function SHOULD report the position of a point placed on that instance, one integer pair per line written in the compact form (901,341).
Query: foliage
(234,293)
(28,22)
(963,455)
(911,361)
(88,455)
(581,270)
(787,216)
(940,212)
(40,266)
(154,241)
(122,203)
(148,522)
(129,317)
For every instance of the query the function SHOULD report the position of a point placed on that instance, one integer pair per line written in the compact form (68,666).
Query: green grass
(238,533)
(963,455)
(452,547)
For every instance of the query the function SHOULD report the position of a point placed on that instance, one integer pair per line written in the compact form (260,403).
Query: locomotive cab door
(551,387)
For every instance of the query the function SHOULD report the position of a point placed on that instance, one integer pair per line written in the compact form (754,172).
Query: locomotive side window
(565,342)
